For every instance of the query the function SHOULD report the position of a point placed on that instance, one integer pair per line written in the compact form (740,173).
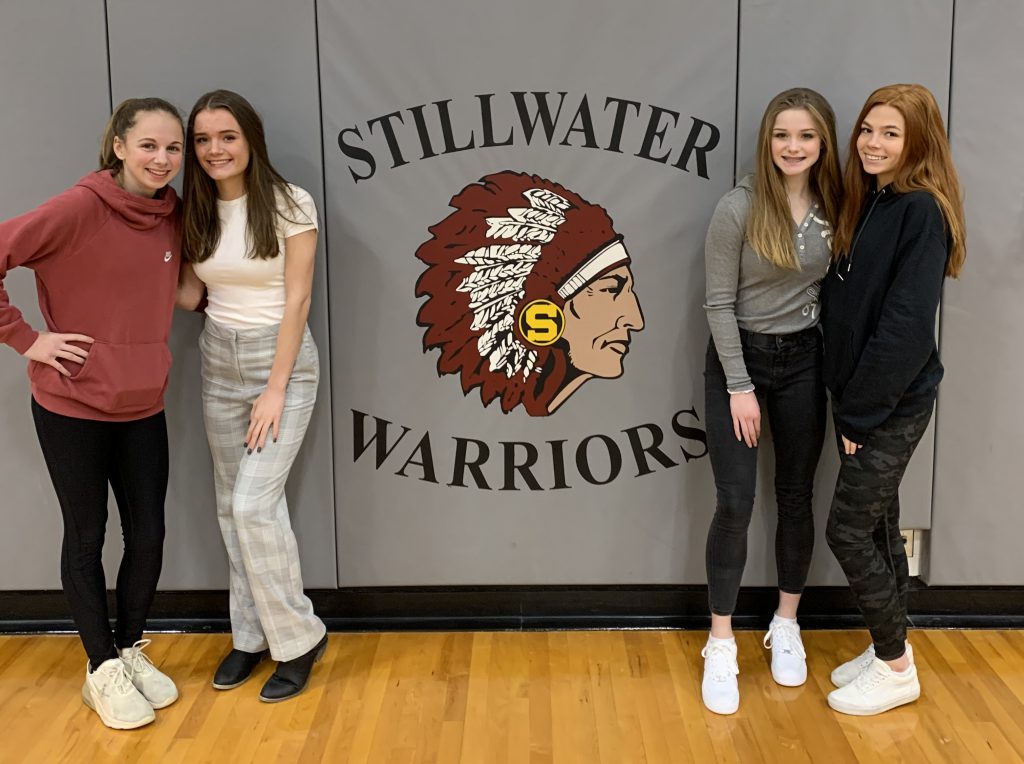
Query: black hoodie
(878,312)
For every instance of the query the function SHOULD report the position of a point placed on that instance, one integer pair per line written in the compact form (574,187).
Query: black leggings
(83,456)
(786,371)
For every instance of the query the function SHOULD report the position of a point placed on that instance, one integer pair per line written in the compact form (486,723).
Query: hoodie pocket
(115,378)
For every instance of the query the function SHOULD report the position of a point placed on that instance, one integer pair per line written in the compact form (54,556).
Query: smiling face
(795,142)
(598,322)
(150,152)
(880,142)
(222,151)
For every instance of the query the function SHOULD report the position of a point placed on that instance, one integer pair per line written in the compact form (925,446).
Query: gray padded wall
(842,51)
(267,52)
(396,530)
(978,523)
(55,101)
(55,96)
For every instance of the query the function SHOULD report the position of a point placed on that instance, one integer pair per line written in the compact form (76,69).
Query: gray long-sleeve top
(743,290)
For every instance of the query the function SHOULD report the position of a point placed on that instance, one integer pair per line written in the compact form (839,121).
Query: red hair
(926,164)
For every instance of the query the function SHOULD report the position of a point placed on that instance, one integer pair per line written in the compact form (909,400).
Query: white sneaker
(843,675)
(110,693)
(876,689)
(789,661)
(719,689)
(155,686)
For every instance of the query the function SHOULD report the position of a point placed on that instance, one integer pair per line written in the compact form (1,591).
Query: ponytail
(123,120)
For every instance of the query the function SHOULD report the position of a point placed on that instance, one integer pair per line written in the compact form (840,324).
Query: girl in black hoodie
(900,232)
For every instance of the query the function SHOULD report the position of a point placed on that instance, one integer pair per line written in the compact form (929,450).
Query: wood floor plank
(613,697)
(621,670)
(374,688)
(683,653)
(951,706)
(606,714)
(573,726)
(474,740)
(541,720)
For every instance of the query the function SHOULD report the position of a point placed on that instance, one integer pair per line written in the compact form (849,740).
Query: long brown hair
(122,120)
(262,184)
(926,164)
(770,223)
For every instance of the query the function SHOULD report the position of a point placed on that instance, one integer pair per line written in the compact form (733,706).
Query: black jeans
(864,527)
(83,456)
(786,372)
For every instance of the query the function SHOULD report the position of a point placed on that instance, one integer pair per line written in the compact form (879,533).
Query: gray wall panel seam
(949,92)
(110,76)
(327,282)
(936,441)
(736,98)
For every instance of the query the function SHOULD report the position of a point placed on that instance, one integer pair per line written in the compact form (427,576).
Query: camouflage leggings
(864,527)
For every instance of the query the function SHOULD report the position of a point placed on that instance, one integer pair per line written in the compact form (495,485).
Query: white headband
(602,261)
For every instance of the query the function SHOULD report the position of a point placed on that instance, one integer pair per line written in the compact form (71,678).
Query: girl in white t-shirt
(250,241)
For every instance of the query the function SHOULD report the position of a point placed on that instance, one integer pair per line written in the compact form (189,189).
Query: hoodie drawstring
(849,260)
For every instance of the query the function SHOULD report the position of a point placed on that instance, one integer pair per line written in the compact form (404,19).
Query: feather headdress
(512,239)
(496,284)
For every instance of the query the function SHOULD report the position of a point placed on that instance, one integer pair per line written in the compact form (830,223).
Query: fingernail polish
(259,450)
(249,451)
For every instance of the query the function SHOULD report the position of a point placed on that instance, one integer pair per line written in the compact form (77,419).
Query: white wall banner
(516,207)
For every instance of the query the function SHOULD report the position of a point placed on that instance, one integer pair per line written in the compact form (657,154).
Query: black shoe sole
(216,686)
(316,660)
(286,697)
(230,686)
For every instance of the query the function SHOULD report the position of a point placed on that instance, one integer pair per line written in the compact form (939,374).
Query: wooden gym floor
(592,697)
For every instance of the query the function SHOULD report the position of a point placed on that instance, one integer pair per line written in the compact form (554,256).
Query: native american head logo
(530,292)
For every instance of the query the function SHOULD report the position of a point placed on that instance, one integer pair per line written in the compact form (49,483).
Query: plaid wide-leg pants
(268,605)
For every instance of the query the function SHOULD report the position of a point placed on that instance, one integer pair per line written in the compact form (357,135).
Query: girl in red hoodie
(105,255)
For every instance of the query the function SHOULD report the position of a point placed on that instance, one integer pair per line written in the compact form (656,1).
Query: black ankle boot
(236,668)
(292,676)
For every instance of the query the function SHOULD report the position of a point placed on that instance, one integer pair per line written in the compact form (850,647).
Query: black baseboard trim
(518,608)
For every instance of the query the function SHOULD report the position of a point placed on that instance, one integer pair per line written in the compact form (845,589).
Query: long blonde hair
(926,164)
(770,223)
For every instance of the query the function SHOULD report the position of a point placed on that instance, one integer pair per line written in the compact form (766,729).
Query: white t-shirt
(246,292)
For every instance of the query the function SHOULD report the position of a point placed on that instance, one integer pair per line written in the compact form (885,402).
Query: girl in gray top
(767,249)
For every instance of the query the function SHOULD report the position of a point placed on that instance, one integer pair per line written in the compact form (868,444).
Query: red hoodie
(106,264)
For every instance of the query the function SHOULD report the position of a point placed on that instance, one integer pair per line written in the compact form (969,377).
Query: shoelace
(139,662)
(865,659)
(870,677)
(786,637)
(119,682)
(720,662)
